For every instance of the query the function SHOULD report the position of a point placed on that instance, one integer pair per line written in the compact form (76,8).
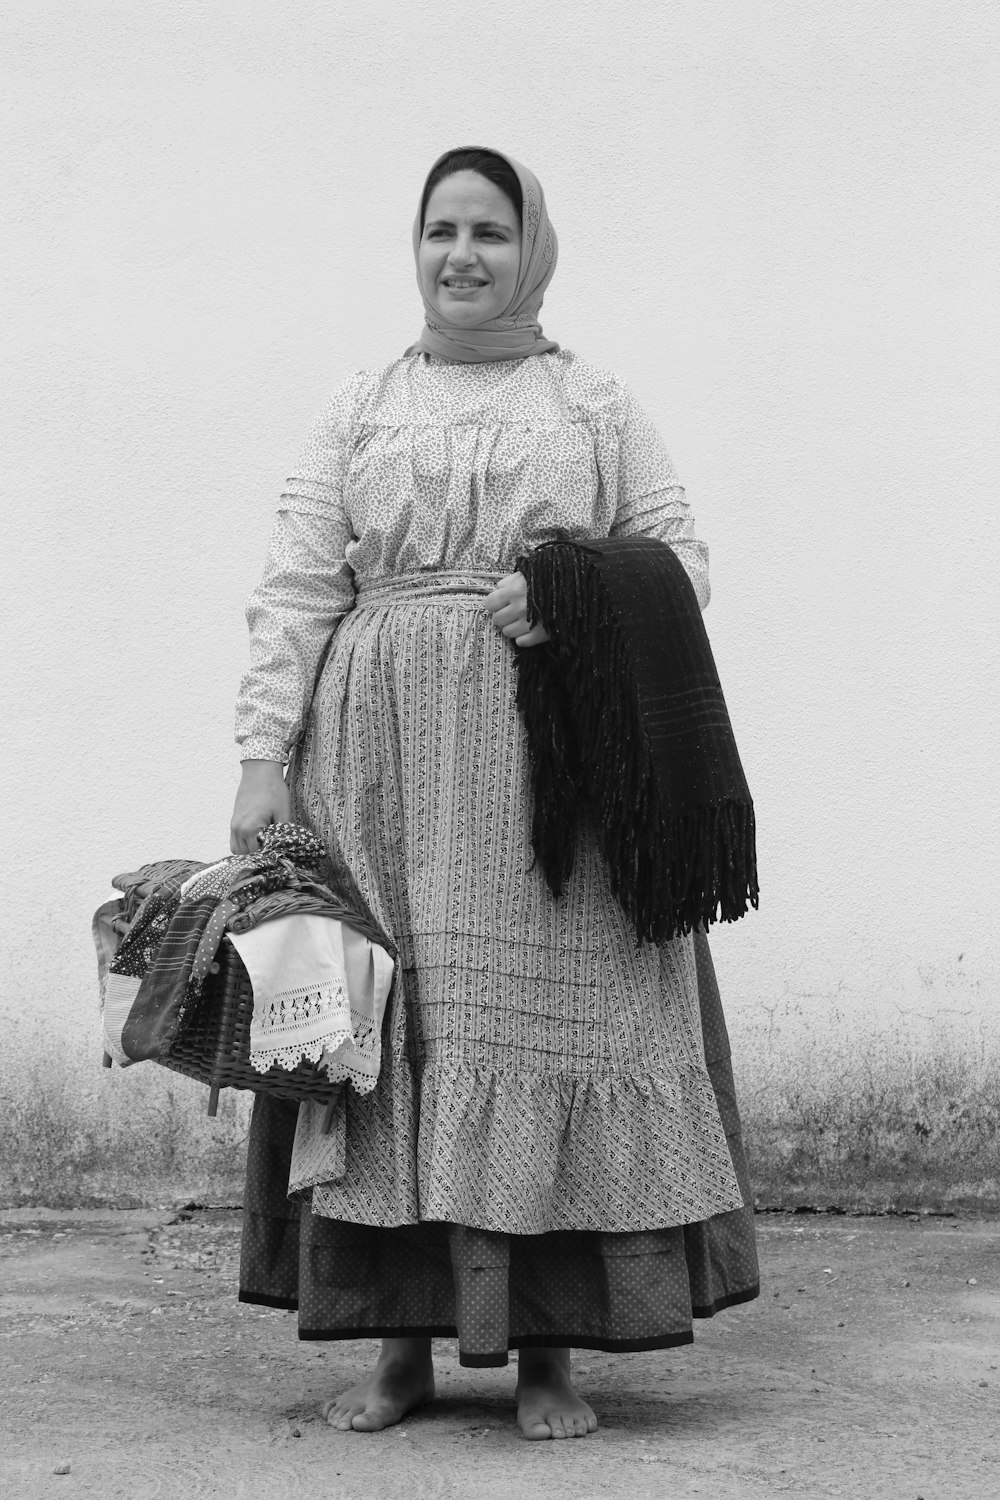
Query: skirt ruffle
(496,1291)
(606,1152)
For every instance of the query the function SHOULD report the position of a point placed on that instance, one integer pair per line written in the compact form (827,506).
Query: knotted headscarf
(517,332)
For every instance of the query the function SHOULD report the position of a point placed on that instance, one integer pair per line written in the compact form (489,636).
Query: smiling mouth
(462,283)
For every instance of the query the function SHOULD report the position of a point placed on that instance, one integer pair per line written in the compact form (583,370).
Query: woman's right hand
(262,799)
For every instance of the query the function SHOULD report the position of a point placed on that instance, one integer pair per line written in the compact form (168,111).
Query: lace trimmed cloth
(319,993)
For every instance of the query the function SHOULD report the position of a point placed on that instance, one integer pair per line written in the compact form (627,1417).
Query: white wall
(778,220)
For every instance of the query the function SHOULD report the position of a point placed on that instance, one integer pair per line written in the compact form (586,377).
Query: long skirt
(552,1153)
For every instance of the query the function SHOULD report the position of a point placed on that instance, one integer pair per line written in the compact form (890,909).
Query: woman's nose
(463,251)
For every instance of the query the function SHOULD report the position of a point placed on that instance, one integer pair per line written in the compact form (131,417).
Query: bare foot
(547,1404)
(402,1379)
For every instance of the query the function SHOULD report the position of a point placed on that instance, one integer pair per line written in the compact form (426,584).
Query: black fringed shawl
(625,718)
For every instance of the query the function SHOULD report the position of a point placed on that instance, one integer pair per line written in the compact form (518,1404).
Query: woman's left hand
(508,605)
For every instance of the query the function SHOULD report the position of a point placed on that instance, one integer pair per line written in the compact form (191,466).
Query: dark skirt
(491,1291)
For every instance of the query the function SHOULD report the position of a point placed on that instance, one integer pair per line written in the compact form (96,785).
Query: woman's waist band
(412,588)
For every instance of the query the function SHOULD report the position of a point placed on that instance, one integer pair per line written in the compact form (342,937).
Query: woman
(543,1163)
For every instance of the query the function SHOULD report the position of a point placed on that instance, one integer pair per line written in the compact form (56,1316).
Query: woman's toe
(338,1416)
(374,1419)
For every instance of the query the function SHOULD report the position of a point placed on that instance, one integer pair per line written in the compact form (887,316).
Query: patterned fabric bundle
(285,849)
(129,934)
(625,718)
(320,970)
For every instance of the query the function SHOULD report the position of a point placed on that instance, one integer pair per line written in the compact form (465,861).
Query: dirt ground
(868,1368)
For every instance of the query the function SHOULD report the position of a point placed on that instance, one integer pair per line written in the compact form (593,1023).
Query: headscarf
(517,333)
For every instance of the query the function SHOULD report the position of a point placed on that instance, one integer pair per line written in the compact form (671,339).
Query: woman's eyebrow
(479,224)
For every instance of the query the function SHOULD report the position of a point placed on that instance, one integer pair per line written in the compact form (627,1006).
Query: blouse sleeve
(650,500)
(306,590)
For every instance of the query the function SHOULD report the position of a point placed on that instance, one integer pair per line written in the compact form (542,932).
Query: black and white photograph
(500,704)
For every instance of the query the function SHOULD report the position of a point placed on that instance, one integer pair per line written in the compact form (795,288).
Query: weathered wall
(779,221)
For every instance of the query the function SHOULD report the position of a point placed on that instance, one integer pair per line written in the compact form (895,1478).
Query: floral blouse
(428,465)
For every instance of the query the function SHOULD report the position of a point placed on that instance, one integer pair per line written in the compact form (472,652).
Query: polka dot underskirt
(495,1291)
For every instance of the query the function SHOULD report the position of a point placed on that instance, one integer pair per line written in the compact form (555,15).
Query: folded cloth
(286,851)
(159,971)
(319,993)
(108,928)
(128,933)
(627,725)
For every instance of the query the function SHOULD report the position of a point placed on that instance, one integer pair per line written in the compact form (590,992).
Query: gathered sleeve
(650,501)
(306,589)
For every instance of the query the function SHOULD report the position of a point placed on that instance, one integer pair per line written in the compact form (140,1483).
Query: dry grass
(77,1135)
(874,1121)
(839,1119)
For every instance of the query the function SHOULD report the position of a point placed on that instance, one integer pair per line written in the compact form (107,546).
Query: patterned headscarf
(517,332)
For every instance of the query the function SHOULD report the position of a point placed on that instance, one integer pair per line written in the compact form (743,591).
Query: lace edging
(289,1056)
(315,1025)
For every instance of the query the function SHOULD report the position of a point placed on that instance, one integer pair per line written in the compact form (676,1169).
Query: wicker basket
(213,1044)
(213,1040)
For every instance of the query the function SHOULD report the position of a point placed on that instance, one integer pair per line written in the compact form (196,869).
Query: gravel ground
(868,1368)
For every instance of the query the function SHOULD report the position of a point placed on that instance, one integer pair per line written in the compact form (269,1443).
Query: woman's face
(470,250)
